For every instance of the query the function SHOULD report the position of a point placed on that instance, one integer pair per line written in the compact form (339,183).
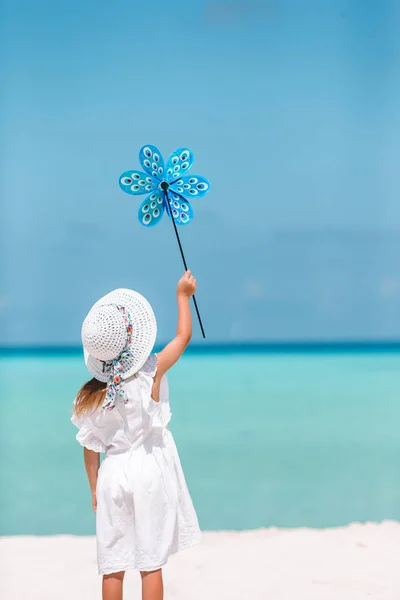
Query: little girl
(144,512)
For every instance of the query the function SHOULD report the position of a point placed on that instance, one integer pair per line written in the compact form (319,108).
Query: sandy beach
(357,562)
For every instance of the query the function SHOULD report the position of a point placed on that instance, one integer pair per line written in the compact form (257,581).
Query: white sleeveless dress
(144,510)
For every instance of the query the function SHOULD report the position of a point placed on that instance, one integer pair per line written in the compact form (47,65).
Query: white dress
(144,510)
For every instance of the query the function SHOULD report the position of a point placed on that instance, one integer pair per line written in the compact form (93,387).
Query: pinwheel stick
(164,187)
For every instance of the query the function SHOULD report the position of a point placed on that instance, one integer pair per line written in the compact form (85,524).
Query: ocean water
(265,439)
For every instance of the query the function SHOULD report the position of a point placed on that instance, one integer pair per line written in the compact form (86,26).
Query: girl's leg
(112,586)
(152,585)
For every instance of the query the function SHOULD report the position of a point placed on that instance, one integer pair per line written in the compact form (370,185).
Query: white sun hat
(120,326)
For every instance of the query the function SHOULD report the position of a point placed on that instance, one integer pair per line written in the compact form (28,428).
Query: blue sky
(292,111)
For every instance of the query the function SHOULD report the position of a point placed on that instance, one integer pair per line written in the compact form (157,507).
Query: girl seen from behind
(144,512)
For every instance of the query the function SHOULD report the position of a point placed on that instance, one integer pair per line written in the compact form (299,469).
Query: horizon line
(276,346)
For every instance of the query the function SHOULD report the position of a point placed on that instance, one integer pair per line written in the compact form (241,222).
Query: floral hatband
(114,368)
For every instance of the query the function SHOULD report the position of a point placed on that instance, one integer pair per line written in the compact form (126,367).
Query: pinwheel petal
(136,183)
(181,210)
(178,164)
(151,210)
(152,161)
(191,186)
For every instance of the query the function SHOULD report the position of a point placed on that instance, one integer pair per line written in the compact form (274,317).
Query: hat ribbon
(116,367)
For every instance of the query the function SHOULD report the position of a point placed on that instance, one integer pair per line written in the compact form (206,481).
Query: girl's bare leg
(152,585)
(112,586)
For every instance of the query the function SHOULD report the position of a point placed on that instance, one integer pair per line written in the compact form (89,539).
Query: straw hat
(120,326)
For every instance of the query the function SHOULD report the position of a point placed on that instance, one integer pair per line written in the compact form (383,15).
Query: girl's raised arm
(174,350)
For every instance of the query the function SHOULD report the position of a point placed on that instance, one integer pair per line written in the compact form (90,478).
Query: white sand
(357,562)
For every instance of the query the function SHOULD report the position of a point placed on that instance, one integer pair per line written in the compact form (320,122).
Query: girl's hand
(186,285)
(94,502)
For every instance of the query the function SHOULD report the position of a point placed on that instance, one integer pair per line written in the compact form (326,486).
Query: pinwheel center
(164,186)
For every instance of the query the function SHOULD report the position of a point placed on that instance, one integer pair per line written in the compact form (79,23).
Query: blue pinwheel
(168,187)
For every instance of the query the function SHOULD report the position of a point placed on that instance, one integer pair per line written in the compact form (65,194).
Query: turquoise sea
(285,439)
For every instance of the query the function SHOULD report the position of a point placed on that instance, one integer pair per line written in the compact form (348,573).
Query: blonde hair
(90,397)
